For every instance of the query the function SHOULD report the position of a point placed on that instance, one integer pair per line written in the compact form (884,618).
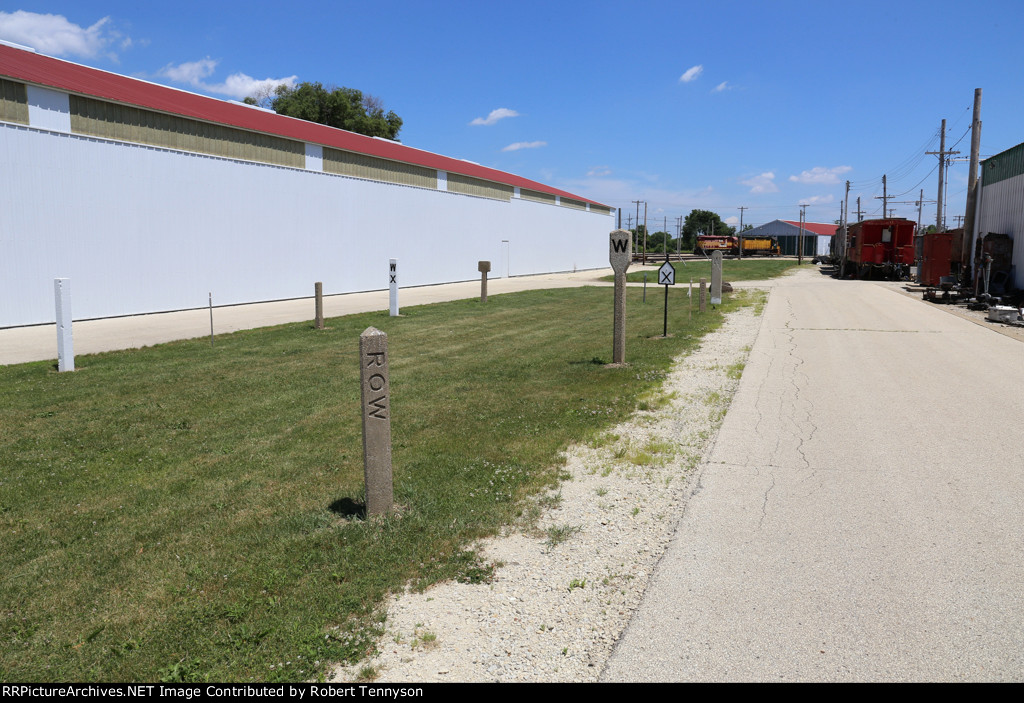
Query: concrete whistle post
(393,285)
(620,254)
(376,413)
(65,344)
(716,278)
(484,268)
(703,295)
(318,292)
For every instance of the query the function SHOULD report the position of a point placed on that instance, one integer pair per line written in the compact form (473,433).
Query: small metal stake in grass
(689,301)
(211,319)
(318,289)
(376,412)
(645,287)
(483,267)
(619,255)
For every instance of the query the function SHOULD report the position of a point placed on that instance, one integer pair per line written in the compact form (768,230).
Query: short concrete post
(716,278)
(318,289)
(620,255)
(65,345)
(393,285)
(703,295)
(376,412)
(484,268)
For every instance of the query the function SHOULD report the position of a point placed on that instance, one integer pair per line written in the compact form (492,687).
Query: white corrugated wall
(140,229)
(1001,210)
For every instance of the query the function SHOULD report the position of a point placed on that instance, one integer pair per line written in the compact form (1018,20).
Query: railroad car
(882,248)
(707,243)
(760,246)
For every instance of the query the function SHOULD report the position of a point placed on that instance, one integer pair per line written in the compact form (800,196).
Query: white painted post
(65,347)
(393,283)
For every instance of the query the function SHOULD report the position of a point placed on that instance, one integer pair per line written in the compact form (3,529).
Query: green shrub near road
(182,513)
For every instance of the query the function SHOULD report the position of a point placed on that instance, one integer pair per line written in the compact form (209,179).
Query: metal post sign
(666,277)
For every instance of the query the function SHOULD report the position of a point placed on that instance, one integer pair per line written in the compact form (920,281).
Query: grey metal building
(817,236)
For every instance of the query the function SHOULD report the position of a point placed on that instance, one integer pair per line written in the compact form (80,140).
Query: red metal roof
(30,67)
(816,227)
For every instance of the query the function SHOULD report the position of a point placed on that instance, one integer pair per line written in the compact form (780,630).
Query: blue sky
(711,105)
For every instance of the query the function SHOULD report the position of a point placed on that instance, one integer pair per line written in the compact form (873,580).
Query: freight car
(882,248)
(760,246)
(707,243)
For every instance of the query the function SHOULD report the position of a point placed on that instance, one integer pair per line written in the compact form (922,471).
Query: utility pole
(884,198)
(645,232)
(846,219)
(636,240)
(742,208)
(860,217)
(972,187)
(800,239)
(920,202)
(942,154)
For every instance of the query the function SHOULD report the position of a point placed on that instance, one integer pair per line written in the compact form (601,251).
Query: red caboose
(881,248)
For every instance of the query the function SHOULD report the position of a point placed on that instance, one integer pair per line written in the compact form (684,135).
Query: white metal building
(1000,207)
(148,198)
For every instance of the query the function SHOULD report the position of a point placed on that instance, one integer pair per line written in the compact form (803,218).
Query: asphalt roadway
(859,517)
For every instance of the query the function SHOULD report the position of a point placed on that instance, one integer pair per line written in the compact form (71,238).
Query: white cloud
(724,85)
(524,145)
(495,115)
(192,72)
(57,36)
(237,85)
(820,174)
(817,200)
(762,183)
(598,171)
(732,221)
(692,73)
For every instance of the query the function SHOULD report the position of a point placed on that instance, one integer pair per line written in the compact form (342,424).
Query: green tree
(703,222)
(344,108)
(657,241)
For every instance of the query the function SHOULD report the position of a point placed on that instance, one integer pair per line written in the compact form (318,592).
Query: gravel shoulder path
(563,594)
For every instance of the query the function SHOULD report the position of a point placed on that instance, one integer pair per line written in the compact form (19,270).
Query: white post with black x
(393,285)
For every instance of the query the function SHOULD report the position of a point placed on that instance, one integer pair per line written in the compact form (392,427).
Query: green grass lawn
(182,513)
(732,270)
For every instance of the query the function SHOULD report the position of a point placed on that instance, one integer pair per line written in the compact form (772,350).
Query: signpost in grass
(318,290)
(65,346)
(393,285)
(376,412)
(483,267)
(716,278)
(619,255)
(666,277)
